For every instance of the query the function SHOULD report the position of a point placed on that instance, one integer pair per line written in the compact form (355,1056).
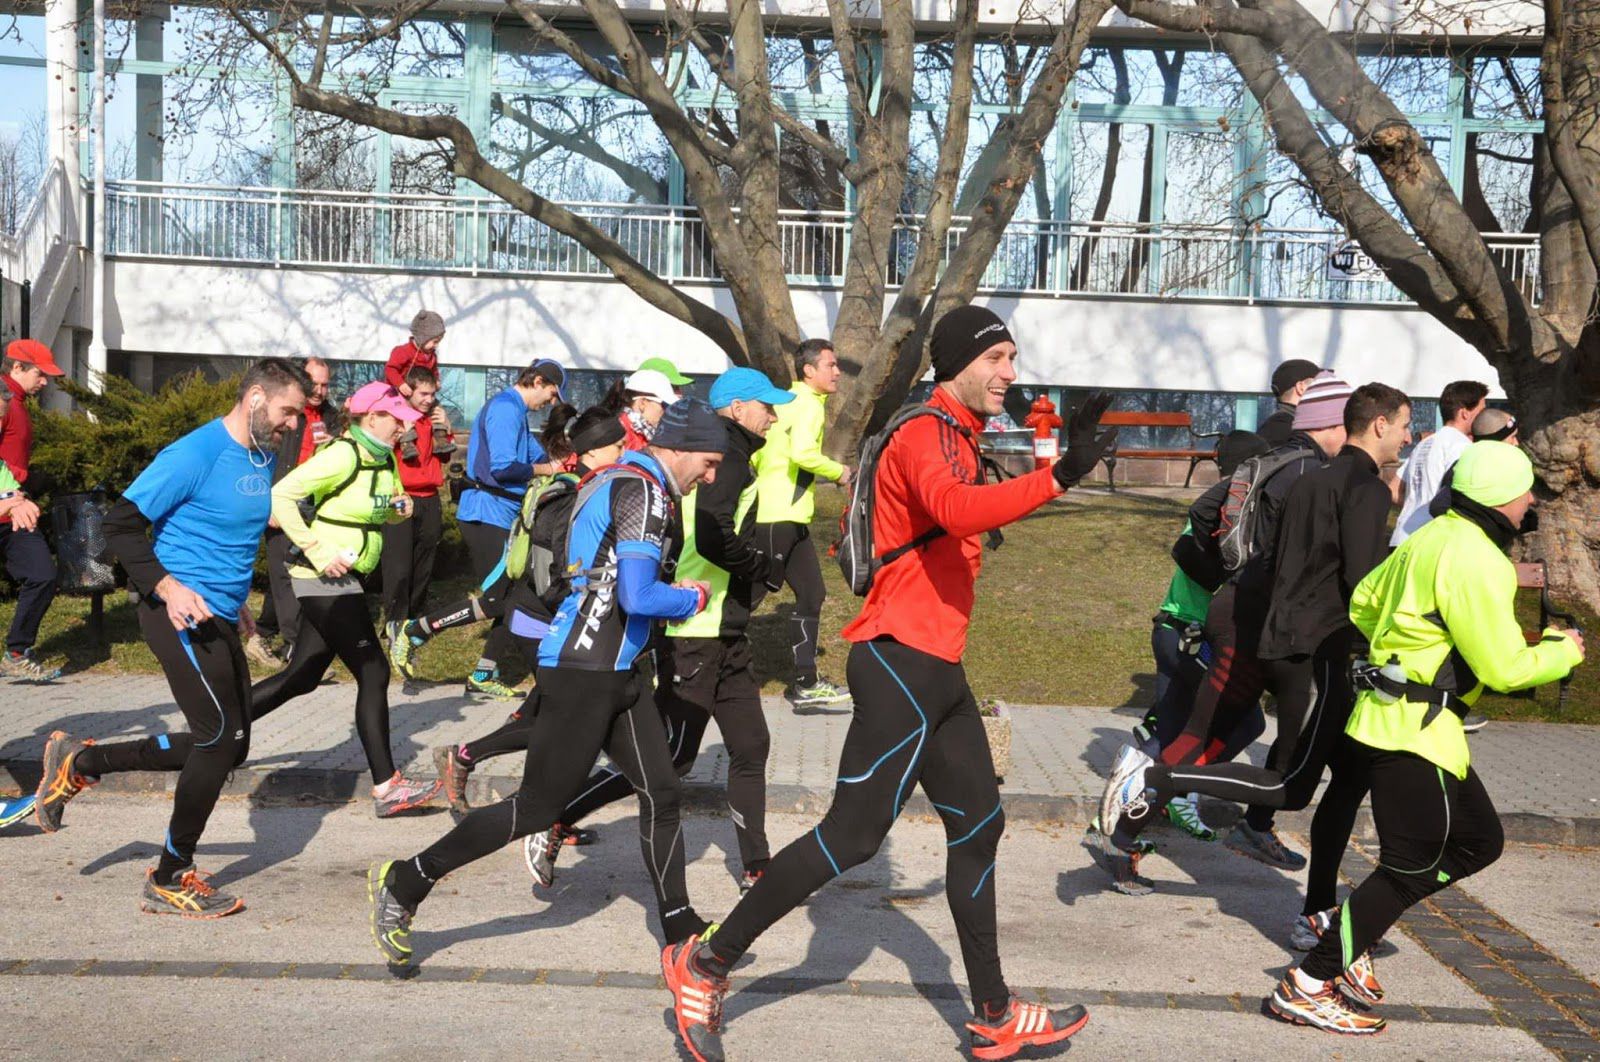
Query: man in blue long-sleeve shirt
(591,694)
(502,457)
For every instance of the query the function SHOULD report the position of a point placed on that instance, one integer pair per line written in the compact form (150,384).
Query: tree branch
(1205,20)
(1577,178)
(844,43)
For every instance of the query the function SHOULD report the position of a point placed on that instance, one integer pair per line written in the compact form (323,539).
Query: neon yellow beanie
(1493,473)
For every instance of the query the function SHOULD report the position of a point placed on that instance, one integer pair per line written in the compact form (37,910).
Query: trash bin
(80,540)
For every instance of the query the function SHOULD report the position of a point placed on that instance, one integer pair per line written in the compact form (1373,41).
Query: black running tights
(1433,829)
(338,627)
(210,680)
(581,713)
(915,721)
(803,572)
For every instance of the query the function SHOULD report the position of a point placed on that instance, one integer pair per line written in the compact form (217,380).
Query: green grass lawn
(1063,615)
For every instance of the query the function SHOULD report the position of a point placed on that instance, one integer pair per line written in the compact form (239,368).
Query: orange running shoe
(1324,1009)
(1024,1025)
(696,999)
(59,783)
(1360,981)
(189,896)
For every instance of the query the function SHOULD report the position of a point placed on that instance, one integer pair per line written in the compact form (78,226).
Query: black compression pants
(338,627)
(705,678)
(210,680)
(1314,702)
(1433,829)
(1178,678)
(915,721)
(580,714)
(28,562)
(280,615)
(1334,821)
(486,546)
(1233,683)
(408,551)
(803,572)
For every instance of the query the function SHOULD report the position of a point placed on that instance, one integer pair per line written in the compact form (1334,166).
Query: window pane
(1499,181)
(1418,84)
(1171,77)
(1505,87)
(603,149)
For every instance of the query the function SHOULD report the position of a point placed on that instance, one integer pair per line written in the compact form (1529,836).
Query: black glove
(1087,445)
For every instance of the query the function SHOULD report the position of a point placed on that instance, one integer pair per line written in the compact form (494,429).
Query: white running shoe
(1125,789)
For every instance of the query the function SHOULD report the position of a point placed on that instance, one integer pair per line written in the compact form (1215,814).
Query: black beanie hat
(1290,373)
(1237,447)
(960,336)
(690,424)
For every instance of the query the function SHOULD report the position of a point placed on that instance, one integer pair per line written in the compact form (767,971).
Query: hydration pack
(1241,509)
(524,554)
(856,552)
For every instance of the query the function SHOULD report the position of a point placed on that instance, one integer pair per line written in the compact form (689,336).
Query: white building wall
(185,308)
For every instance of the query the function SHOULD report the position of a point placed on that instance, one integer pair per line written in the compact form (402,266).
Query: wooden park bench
(1195,454)
(1533,575)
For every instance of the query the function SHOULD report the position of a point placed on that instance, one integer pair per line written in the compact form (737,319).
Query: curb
(291,786)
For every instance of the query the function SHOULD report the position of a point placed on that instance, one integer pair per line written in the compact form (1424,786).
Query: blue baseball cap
(746,385)
(551,372)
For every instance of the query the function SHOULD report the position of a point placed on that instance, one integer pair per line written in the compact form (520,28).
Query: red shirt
(315,434)
(927,478)
(404,358)
(632,438)
(421,478)
(16,433)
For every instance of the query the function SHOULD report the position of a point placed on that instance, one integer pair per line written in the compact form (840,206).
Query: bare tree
(1427,240)
(23,157)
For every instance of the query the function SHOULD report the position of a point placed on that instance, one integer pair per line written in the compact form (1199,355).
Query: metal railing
(297,228)
(50,219)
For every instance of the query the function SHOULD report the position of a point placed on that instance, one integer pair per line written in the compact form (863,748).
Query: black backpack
(856,552)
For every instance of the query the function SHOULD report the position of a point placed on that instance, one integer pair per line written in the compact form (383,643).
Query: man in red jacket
(409,546)
(28,368)
(420,351)
(916,721)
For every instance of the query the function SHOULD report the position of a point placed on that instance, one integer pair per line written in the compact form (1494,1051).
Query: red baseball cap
(33,352)
(380,397)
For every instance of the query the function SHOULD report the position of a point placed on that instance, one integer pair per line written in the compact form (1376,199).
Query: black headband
(601,433)
(1500,434)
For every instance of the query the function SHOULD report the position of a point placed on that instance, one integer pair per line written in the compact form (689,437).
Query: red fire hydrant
(1045,423)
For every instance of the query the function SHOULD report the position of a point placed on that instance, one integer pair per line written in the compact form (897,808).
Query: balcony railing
(294,228)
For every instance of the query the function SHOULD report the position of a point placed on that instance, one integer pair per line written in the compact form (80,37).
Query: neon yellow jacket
(355,487)
(1447,590)
(792,461)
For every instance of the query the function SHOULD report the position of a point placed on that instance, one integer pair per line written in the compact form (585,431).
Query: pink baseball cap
(379,397)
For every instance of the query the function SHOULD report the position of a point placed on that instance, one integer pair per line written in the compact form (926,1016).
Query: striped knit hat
(1322,406)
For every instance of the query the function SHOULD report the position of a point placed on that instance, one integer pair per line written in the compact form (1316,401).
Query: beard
(262,433)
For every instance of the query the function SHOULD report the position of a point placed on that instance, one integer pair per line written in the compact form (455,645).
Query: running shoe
(1474,722)
(257,651)
(578,835)
(1306,930)
(189,896)
(1184,813)
(1125,789)
(14,809)
(22,667)
(486,686)
(391,919)
(539,851)
(59,783)
(403,646)
(819,693)
(404,794)
(1122,866)
(748,879)
(1360,981)
(453,773)
(1264,846)
(696,999)
(1024,1025)
(1324,1009)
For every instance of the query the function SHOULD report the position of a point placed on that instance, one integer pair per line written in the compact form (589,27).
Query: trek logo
(596,606)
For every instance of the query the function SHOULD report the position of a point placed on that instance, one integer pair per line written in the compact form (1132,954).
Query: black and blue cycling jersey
(620,541)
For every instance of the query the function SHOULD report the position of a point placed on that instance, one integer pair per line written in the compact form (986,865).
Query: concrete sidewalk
(1541,776)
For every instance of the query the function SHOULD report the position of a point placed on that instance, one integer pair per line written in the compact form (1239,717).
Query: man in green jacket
(1438,614)
(787,469)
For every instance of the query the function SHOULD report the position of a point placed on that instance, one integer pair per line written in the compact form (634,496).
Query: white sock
(1306,983)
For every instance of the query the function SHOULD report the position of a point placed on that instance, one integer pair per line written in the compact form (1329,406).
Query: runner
(14,504)
(490,603)
(409,546)
(318,423)
(592,697)
(333,508)
(207,496)
(596,436)
(1234,681)
(502,458)
(639,402)
(28,366)
(916,719)
(1439,614)
(787,470)
(1331,535)
(1424,471)
(1289,383)
(706,671)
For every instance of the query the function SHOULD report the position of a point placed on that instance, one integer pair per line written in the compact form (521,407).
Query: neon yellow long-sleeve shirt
(791,462)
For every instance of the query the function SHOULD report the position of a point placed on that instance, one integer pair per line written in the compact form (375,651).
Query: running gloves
(1087,445)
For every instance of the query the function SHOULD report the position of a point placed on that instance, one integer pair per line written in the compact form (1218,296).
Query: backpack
(856,552)
(1241,509)
(523,554)
(587,487)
